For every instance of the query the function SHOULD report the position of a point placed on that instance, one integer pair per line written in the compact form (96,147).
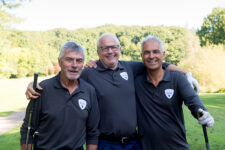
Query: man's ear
(164,55)
(98,52)
(59,62)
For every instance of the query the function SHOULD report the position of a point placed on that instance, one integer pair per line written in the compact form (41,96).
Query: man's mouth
(74,71)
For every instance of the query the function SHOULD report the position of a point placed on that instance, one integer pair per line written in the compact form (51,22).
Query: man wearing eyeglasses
(114,84)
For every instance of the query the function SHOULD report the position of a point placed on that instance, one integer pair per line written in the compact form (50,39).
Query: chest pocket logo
(124,75)
(82,103)
(169,93)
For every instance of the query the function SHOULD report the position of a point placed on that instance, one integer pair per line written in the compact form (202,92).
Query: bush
(207,65)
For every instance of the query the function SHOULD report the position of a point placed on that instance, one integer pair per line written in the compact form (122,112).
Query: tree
(6,17)
(213,28)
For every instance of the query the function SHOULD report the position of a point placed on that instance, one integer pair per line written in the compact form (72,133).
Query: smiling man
(160,95)
(66,114)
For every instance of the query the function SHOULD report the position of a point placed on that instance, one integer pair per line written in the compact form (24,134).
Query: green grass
(215,103)
(12,96)
(10,140)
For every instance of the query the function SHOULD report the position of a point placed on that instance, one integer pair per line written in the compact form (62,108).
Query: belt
(123,140)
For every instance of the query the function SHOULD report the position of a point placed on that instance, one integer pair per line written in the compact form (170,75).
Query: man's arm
(172,67)
(193,101)
(24,128)
(189,76)
(92,131)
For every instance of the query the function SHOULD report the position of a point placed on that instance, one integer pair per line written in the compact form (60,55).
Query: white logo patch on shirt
(124,75)
(169,93)
(82,103)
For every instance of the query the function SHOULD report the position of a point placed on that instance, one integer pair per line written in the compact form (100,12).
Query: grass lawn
(215,103)
(10,140)
(12,97)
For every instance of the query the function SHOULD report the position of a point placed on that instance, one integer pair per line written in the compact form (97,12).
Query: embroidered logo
(169,93)
(124,75)
(82,103)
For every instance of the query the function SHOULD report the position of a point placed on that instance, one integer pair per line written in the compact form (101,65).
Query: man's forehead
(108,39)
(72,53)
(151,44)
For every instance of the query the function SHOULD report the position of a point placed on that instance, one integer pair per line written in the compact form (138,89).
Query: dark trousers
(108,145)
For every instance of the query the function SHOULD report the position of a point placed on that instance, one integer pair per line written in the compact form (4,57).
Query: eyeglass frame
(112,47)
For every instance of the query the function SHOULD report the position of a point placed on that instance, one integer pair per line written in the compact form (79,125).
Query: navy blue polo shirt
(160,114)
(65,121)
(116,96)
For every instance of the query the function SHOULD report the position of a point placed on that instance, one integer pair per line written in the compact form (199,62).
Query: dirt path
(9,122)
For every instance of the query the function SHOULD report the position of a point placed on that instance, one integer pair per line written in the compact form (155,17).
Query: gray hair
(72,46)
(153,38)
(107,34)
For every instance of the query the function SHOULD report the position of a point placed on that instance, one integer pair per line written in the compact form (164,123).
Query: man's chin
(152,67)
(74,77)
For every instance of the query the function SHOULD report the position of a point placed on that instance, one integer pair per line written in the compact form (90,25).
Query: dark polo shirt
(160,114)
(116,96)
(65,121)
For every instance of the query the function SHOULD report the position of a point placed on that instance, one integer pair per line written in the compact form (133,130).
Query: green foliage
(213,28)
(5,17)
(25,52)
(207,65)
(222,90)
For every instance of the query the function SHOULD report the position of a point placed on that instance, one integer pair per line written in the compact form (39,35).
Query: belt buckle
(124,140)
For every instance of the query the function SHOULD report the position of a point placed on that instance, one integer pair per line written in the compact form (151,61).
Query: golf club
(200,113)
(31,111)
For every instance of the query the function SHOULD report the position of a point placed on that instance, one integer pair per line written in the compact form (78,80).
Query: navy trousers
(108,145)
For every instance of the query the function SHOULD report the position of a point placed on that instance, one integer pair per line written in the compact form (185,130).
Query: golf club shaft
(205,136)
(200,114)
(31,111)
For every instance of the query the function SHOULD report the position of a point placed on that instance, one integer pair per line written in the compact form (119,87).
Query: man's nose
(151,54)
(109,50)
(74,64)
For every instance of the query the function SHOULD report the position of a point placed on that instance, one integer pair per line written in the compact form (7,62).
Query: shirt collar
(100,66)
(166,77)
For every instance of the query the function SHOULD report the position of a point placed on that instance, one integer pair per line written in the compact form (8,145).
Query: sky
(42,15)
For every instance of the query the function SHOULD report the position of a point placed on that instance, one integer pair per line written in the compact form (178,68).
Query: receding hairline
(107,35)
(71,46)
(155,39)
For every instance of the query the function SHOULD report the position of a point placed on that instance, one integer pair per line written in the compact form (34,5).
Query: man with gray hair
(160,95)
(66,114)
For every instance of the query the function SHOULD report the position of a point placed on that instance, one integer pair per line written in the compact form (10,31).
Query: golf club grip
(35,80)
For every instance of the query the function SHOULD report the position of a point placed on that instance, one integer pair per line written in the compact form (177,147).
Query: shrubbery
(23,52)
(208,66)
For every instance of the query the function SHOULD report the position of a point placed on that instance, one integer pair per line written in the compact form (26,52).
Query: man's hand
(31,93)
(23,147)
(192,81)
(206,118)
(91,64)
(91,147)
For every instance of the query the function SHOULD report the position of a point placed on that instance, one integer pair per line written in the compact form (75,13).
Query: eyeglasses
(113,48)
